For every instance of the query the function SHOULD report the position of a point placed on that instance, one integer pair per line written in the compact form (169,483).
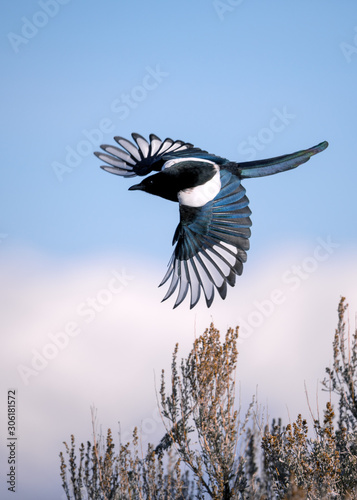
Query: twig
(96,451)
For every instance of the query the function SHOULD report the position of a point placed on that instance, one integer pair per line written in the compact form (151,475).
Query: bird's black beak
(136,187)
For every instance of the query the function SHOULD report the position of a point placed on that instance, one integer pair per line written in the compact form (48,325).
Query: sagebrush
(209,450)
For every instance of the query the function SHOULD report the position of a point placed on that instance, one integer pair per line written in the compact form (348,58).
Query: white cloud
(288,332)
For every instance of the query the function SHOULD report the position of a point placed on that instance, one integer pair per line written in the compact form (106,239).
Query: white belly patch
(200,195)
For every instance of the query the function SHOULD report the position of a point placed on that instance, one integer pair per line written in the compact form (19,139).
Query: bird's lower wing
(211,244)
(260,168)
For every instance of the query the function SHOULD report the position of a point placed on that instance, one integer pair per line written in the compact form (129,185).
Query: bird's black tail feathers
(261,168)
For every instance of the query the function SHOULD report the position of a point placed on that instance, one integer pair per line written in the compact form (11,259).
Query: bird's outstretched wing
(140,158)
(211,244)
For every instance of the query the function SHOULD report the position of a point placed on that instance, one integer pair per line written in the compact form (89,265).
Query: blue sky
(214,73)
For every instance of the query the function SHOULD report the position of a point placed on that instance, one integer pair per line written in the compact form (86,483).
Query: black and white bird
(212,237)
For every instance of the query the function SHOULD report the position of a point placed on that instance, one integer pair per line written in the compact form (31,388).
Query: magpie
(212,237)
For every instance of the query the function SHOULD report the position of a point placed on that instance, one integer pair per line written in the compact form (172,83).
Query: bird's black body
(212,237)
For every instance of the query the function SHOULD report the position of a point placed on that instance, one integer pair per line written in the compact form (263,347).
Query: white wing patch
(204,280)
(229,255)
(221,261)
(208,270)
(170,163)
(131,159)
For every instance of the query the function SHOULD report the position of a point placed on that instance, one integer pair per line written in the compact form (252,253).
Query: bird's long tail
(261,168)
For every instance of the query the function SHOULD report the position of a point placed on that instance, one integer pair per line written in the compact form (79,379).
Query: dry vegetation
(223,455)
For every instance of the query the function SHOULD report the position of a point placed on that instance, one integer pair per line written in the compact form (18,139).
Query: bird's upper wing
(140,158)
(211,244)
(143,157)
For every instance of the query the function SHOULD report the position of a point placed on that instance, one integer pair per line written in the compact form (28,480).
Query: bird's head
(158,185)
